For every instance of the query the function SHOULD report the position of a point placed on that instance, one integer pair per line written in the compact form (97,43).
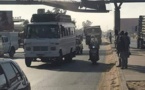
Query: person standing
(118,47)
(122,49)
(127,49)
(110,37)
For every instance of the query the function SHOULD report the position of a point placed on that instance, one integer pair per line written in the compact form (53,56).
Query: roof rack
(50,18)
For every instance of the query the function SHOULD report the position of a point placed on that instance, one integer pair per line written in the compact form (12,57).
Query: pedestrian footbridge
(72,5)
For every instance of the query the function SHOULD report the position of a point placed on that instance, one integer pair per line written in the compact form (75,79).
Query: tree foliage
(26,22)
(74,21)
(86,23)
(57,10)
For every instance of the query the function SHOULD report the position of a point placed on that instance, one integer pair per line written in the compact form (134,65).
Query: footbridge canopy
(72,5)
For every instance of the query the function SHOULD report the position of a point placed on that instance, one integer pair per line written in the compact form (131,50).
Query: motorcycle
(94,54)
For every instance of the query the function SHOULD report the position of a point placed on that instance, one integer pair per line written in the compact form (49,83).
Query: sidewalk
(133,78)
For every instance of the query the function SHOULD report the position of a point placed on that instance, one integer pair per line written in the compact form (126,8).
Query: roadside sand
(136,85)
(110,79)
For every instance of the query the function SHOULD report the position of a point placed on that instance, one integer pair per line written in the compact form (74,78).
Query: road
(133,43)
(77,75)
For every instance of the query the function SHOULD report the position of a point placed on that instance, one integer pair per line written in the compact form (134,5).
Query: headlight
(93,46)
(28,48)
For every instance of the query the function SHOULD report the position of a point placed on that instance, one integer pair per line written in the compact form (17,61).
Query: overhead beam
(40,2)
(75,7)
(92,11)
(72,6)
(112,1)
(20,2)
(124,1)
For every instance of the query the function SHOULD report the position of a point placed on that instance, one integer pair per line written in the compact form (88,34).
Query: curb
(121,75)
(103,73)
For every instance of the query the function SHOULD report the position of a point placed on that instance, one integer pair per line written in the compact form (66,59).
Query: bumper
(41,54)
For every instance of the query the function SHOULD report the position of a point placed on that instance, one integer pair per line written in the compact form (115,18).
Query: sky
(105,20)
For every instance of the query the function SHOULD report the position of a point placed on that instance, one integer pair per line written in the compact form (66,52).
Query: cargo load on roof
(50,18)
(93,31)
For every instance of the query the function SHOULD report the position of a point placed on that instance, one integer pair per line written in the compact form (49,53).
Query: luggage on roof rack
(50,18)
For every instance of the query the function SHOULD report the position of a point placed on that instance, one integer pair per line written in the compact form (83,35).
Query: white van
(9,43)
(50,41)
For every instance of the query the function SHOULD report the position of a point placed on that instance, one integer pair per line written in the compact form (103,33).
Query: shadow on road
(137,68)
(17,55)
(101,52)
(76,66)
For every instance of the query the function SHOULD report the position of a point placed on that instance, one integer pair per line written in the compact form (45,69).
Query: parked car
(12,77)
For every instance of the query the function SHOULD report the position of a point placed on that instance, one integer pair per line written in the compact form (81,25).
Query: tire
(58,61)
(81,51)
(12,52)
(28,61)
(140,44)
(68,58)
(74,54)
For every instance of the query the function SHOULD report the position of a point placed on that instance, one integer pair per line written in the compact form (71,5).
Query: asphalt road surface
(80,74)
(133,43)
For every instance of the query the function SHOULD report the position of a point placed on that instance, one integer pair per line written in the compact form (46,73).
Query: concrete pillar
(117,20)
(117,17)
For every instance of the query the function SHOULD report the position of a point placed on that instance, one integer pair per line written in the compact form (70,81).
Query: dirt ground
(136,85)
(110,79)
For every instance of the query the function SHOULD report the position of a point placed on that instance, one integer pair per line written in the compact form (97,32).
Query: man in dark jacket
(118,48)
(127,45)
(122,49)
